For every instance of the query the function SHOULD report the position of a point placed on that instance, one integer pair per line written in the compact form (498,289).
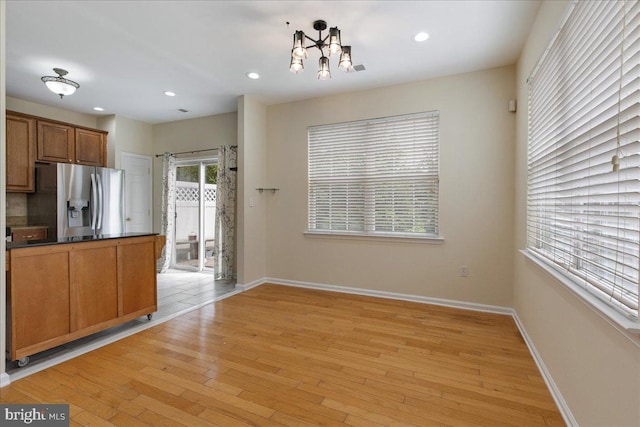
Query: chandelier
(58,84)
(331,43)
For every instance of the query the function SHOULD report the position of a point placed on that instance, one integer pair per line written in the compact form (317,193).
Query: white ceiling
(125,54)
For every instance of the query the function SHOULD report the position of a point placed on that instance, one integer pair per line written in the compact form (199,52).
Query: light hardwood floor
(279,355)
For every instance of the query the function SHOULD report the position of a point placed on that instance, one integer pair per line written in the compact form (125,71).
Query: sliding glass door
(195,212)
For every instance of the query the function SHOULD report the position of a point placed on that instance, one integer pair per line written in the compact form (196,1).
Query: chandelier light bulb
(299,50)
(335,46)
(296,65)
(324,73)
(346,64)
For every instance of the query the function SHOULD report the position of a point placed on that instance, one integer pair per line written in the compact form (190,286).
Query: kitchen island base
(63,292)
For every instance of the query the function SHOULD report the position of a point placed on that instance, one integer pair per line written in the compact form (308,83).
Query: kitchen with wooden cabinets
(60,288)
(31,139)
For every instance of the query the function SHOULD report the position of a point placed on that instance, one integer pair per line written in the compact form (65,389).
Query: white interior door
(138,192)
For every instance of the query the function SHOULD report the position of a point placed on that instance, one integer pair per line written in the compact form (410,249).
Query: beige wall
(186,135)
(596,368)
(476,193)
(251,205)
(53,113)
(132,136)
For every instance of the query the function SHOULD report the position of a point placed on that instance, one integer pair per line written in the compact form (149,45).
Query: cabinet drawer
(29,234)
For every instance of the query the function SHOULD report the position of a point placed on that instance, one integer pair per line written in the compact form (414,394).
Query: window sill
(376,237)
(629,327)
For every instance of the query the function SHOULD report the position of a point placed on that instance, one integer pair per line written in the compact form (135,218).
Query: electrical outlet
(464,271)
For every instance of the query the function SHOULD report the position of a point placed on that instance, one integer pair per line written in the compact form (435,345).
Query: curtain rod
(188,152)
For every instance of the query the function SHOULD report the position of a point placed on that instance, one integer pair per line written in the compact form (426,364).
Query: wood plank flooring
(283,356)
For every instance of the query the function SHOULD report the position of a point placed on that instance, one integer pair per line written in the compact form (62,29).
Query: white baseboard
(546,375)
(4,379)
(250,285)
(566,413)
(390,295)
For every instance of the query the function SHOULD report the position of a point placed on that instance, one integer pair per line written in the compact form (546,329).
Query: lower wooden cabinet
(59,293)
(136,294)
(39,299)
(94,286)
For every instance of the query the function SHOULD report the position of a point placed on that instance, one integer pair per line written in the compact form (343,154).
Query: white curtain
(225,213)
(168,209)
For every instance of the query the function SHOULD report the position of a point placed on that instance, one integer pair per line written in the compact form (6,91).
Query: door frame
(202,162)
(123,155)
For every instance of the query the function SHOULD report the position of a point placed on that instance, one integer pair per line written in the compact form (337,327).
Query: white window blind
(375,177)
(583,215)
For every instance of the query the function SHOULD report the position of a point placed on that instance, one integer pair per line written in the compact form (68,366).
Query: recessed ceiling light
(169,93)
(253,75)
(420,37)
(98,108)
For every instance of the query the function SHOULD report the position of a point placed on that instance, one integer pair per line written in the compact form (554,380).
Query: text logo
(34,415)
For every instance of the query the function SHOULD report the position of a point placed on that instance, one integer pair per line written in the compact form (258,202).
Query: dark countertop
(75,239)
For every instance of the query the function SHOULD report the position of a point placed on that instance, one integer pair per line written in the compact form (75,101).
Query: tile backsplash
(16,209)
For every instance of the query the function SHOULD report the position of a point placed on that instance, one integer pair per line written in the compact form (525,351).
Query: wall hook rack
(273,190)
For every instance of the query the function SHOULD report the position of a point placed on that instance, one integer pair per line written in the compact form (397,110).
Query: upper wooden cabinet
(63,143)
(20,158)
(55,142)
(31,139)
(90,148)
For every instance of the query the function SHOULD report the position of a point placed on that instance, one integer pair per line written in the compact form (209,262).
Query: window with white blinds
(584,152)
(375,177)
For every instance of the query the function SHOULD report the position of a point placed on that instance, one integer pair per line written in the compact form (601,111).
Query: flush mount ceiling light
(253,75)
(58,84)
(169,93)
(420,37)
(331,43)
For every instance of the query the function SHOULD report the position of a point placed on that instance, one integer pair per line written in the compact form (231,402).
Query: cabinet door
(55,142)
(137,276)
(90,148)
(21,147)
(94,290)
(39,295)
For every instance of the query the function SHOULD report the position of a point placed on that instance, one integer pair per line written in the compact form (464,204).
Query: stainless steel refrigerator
(76,200)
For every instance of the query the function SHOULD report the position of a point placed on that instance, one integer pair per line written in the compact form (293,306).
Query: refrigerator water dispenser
(78,214)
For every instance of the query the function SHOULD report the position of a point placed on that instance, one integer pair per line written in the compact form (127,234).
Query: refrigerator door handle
(94,205)
(101,198)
